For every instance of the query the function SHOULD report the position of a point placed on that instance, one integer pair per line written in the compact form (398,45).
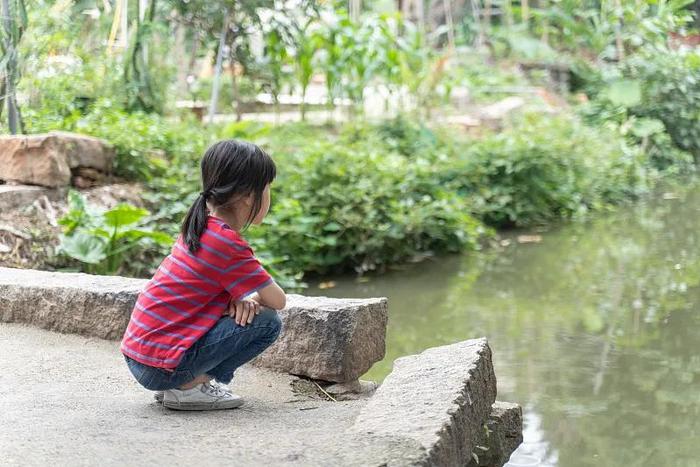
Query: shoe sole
(158,396)
(203,405)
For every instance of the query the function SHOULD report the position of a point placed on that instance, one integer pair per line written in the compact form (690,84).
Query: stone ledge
(322,338)
(74,303)
(328,338)
(505,433)
(431,409)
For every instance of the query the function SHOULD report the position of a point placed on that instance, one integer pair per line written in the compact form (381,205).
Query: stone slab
(430,409)
(98,306)
(322,338)
(328,338)
(19,196)
(503,435)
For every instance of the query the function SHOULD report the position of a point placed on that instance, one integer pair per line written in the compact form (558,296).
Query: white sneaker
(204,396)
(158,395)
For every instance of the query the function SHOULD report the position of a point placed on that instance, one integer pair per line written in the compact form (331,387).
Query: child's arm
(271,296)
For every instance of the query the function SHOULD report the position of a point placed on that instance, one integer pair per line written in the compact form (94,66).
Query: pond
(595,330)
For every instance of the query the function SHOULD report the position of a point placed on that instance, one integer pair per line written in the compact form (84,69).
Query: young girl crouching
(211,306)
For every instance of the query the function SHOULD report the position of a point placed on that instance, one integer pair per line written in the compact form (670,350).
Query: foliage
(140,89)
(145,143)
(543,169)
(671,93)
(102,242)
(605,30)
(654,97)
(362,196)
(354,206)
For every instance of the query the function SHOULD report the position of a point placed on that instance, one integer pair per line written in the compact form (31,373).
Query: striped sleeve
(246,276)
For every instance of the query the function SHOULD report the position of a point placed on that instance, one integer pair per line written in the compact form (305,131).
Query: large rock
(328,338)
(48,159)
(430,409)
(502,435)
(323,338)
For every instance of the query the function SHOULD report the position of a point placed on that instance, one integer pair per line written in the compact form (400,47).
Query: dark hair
(229,168)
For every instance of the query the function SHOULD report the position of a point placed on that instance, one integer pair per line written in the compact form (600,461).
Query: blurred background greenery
(404,131)
(380,115)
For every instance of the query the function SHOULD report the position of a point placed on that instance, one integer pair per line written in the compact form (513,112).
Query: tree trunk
(447,5)
(355,8)
(193,54)
(181,60)
(11,68)
(217,69)
(125,24)
(234,89)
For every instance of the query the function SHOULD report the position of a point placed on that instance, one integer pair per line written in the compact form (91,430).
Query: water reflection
(594,331)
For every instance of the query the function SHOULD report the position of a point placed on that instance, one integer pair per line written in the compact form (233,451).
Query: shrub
(546,168)
(146,144)
(353,207)
(670,83)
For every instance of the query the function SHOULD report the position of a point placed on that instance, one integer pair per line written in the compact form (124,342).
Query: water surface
(595,331)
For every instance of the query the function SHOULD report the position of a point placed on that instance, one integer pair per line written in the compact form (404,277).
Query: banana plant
(275,58)
(422,67)
(306,44)
(137,75)
(332,58)
(14,18)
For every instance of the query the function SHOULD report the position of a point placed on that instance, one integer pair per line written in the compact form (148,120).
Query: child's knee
(270,319)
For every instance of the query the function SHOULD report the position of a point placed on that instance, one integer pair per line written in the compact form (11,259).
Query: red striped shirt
(189,293)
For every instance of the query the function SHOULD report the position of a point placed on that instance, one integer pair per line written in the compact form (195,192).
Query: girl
(211,306)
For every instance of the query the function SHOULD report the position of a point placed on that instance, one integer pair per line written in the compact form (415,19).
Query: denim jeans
(217,353)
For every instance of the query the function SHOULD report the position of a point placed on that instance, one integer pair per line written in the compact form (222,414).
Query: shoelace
(215,390)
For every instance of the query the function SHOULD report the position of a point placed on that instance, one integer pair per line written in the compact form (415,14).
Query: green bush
(655,85)
(146,144)
(368,196)
(352,207)
(547,168)
(670,82)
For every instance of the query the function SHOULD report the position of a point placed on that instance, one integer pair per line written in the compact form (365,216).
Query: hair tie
(204,193)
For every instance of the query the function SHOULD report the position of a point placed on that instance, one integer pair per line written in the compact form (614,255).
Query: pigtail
(195,223)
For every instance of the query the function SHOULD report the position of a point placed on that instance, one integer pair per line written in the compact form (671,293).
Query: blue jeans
(217,353)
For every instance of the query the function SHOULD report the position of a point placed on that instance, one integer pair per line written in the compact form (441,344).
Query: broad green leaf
(332,227)
(84,247)
(645,127)
(625,92)
(159,237)
(124,214)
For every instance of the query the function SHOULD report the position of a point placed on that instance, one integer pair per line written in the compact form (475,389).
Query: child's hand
(244,311)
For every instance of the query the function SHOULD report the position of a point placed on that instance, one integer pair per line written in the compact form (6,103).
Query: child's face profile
(238,209)
(264,206)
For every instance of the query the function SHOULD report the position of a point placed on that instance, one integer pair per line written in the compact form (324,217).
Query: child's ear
(248,199)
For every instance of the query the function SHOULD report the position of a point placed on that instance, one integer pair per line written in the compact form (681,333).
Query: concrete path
(70,400)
